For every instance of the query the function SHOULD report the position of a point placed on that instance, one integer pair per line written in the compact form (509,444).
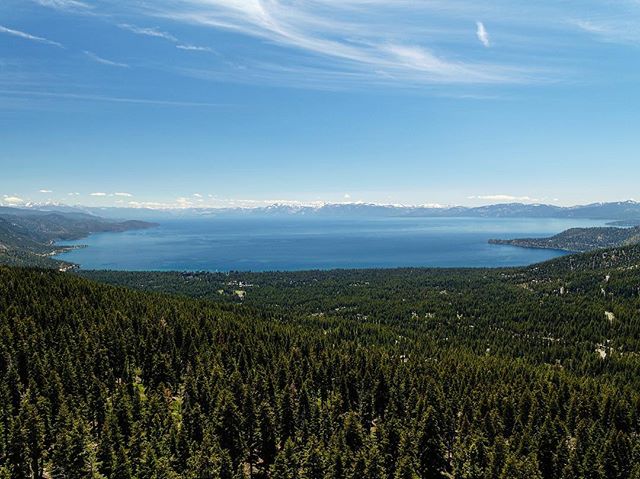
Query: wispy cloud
(503,198)
(193,48)
(184,202)
(104,61)
(346,34)
(482,34)
(127,195)
(93,98)
(361,43)
(148,31)
(157,33)
(613,30)
(99,193)
(590,27)
(64,4)
(45,191)
(28,36)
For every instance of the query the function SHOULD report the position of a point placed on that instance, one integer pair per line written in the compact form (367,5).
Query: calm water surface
(251,244)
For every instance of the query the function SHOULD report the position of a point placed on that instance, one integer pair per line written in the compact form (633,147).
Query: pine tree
(374,460)
(75,456)
(18,460)
(353,432)
(267,446)
(286,420)
(286,464)
(312,461)
(228,426)
(209,461)
(35,434)
(430,447)
(520,468)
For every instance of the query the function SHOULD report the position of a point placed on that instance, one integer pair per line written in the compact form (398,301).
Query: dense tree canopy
(345,374)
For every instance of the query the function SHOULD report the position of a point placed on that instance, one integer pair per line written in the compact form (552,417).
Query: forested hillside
(349,374)
(557,313)
(580,239)
(27,237)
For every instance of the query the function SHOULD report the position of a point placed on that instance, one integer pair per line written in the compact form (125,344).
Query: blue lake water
(266,244)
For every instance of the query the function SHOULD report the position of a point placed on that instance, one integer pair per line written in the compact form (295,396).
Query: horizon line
(298,204)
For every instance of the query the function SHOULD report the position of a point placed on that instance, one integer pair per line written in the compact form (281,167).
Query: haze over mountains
(28,235)
(622,211)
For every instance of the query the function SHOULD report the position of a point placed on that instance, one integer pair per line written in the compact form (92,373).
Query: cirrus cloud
(157,33)
(28,36)
(342,40)
(503,198)
(64,4)
(104,61)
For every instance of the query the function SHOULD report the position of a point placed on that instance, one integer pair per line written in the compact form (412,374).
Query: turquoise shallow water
(265,244)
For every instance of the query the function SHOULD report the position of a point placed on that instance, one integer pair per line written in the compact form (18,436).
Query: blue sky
(249,102)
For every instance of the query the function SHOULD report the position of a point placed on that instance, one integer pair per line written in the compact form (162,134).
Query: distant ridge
(621,211)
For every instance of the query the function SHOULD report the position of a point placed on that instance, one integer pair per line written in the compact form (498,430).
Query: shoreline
(500,242)
(61,249)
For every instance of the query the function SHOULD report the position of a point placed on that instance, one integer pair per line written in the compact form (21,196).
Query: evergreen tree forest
(391,374)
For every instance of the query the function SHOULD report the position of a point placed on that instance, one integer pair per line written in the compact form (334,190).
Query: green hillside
(580,239)
(27,237)
(341,374)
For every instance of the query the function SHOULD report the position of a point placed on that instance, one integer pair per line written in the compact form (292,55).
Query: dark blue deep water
(266,244)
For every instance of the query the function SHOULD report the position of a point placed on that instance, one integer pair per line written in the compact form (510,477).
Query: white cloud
(193,48)
(73,194)
(28,36)
(63,4)
(150,204)
(12,200)
(104,61)
(623,30)
(99,193)
(502,198)
(45,191)
(157,33)
(348,34)
(197,195)
(347,196)
(147,31)
(83,97)
(128,195)
(482,34)
(590,27)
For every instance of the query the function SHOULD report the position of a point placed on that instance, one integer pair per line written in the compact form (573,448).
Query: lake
(294,243)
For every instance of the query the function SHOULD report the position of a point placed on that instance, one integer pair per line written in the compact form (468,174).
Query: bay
(295,243)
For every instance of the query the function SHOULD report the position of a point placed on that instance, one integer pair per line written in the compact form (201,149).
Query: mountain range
(623,212)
